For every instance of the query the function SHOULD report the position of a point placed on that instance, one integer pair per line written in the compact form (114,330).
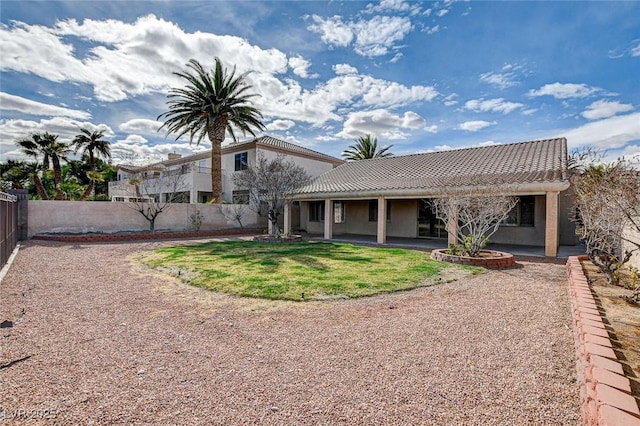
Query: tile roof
(539,161)
(271,142)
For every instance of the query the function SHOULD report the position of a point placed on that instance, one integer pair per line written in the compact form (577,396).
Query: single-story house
(391,196)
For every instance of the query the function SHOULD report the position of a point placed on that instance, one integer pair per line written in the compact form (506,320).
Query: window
(316,211)
(523,214)
(240,196)
(373,210)
(339,215)
(242,161)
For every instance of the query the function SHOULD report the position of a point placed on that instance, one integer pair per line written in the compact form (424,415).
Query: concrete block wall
(109,217)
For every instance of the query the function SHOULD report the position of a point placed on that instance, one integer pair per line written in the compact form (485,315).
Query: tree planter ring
(489,259)
(280,239)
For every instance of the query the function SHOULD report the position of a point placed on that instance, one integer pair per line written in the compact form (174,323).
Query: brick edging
(605,393)
(500,260)
(133,236)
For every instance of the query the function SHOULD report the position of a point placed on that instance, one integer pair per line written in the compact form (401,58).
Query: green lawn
(300,271)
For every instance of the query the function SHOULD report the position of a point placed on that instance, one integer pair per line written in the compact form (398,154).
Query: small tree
(473,217)
(269,183)
(234,212)
(145,195)
(607,211)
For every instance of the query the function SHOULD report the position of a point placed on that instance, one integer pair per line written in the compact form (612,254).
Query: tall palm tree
(35,147)
(366,147)
(92,144)
(56,151)
(212,103)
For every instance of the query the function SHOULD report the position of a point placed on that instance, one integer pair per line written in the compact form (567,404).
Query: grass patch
(287,271)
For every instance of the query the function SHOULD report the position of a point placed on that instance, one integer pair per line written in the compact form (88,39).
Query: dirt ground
(624,319)
(96,339)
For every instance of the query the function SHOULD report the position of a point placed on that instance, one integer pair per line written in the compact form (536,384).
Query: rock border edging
(134,236)
(501,260)
(605,392)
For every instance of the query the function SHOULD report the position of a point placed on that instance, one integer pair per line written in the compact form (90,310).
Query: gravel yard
(109,342)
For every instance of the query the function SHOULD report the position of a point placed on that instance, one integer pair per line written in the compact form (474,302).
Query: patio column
(382,220)
(287,217)
(551,233)
(328,219)
(452,226)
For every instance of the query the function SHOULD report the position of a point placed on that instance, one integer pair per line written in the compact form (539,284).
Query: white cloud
(66,128)
(635,50)
(442,12)
(280,125)
(125,59)
(374,37)
(604,109)
(341,69)
(332,30)
(27,106)
(141,125)
(474,126)
(393,5)
(432,30)
(500,80)
(492,105)
(300,67)
(564,90)
(382,123)
(609,133)
(135,150)
(450,100)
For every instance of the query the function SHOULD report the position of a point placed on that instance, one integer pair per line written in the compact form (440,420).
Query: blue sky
(422,76)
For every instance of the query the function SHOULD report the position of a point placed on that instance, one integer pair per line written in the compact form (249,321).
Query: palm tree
(211,104)
(35,147)
(366,147)
(57,151)
(92,144)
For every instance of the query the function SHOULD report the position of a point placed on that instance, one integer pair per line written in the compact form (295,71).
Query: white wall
(108,217)
(633,236)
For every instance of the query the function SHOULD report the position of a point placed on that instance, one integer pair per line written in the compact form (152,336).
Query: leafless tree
(150,196)
(234,212)
(608,212)
(269,183)
(476,214)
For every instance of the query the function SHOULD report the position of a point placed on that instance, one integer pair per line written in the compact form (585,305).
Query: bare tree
(607,211)
(234,212)
(473,217)
(152,196)
(269,183)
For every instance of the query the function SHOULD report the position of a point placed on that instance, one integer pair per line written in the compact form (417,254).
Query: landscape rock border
(134,236)
(605,392)
(495,260)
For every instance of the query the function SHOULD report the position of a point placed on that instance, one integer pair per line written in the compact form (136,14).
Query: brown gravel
(110,343)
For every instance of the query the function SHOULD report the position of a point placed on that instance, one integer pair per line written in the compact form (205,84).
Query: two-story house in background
(195,170)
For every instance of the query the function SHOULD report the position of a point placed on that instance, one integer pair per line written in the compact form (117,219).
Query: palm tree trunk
(57,176)
(87,192)
(216,136)
(39,187)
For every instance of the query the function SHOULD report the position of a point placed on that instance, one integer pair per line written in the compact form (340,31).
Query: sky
(421,76)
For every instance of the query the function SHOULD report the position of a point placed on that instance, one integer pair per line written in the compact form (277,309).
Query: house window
(242,161)
(316,211)
(373,210)
(339,215)
(240,196)
(523,214)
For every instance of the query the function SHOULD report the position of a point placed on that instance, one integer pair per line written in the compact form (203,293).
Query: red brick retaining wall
(605,393)
(94,238)
(498,260)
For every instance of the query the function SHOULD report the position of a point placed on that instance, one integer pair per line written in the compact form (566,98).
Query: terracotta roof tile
(524,162)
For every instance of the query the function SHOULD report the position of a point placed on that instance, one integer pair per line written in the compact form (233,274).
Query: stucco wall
(91,216)
(632,235)
(404,218)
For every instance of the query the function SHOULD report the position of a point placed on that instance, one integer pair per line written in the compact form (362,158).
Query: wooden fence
(8,226)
